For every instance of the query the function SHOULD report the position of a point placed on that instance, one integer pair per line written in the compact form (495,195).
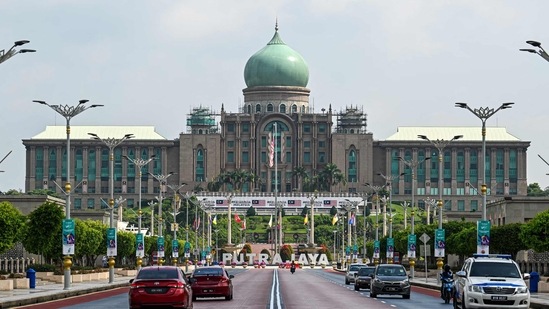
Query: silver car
(390,279)
(351,271)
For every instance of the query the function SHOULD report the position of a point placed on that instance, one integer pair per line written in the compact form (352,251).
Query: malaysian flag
(294,202)
(258,202)
(196,223)
(237,218)
(221,202)
(271,147)
(330,203)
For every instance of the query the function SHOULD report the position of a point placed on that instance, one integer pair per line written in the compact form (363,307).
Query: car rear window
(354,267)
(391,271)
(366,271)
(157,273)
(208,272)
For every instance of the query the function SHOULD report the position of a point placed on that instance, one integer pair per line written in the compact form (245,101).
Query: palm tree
(301,175)
(330,176)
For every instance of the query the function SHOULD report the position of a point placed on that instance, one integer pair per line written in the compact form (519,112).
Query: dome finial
(276,24)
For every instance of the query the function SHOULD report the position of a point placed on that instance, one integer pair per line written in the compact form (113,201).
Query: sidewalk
(45,291)
(537,300)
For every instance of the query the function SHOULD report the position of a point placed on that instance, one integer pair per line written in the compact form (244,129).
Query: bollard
(534,279)
(31,274)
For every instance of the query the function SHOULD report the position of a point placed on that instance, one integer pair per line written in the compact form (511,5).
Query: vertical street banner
(187,249)
(390,247)
(412,246)
(68,236)
(111,242)
(140,252)
(175,248)
(376,249)
(440,243)
(483,237)
(160,246)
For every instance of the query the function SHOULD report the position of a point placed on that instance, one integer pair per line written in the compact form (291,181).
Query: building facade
(276,130)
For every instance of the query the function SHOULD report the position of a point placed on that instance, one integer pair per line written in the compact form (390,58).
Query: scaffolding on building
(351,120)
(202,121)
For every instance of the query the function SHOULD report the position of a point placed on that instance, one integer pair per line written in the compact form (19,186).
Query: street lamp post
(334,257)
(390,241)
(312,199)
(4,158)
(483,114)
(540,51)
(176,204)
(12,51)
(111,143)
(440,241)
(187,197)
(140,245)
(160,241)
(68,112)
(376,190)
(412,164)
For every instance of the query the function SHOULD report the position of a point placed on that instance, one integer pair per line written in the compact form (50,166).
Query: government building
(274,131)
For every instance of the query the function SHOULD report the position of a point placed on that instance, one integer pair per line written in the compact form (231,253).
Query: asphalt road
(275,289)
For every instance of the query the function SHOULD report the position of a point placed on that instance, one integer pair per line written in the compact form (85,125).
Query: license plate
(155,291)
(392,289)
(499,297)
(207,291)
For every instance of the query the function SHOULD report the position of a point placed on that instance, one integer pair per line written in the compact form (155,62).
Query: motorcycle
(447,289)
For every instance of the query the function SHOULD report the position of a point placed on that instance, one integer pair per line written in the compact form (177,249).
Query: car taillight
(176,285)
(136,286)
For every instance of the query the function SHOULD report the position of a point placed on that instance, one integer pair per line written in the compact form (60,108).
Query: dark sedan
(363,277)
(160,286)
(390,279)
(212,281)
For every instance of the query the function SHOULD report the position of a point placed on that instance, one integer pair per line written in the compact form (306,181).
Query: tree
(300,173)
(89,240)
(43,235)
(506,239)
(535,190)
(330,176)
(11,221)
(251,212)
(305,211)
(535,233)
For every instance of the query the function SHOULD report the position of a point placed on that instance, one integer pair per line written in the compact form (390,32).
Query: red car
(160,286)
(212,281)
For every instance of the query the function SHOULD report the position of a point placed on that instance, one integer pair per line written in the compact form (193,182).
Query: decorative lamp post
(12,51)
(377,190)
(140,243)
(390,241)
(483,113)
(440,241)
(334,257)
(68,112)
(412,164)
(187,247)
(312,199)
(160,241)
(175,227)
(540,51)
(111,143)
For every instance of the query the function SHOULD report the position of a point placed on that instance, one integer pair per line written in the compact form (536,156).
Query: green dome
(276,65)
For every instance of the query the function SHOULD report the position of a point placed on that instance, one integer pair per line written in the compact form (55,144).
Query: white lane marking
(275,290)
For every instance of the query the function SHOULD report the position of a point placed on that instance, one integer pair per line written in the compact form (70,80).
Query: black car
(363,277)
(390,279)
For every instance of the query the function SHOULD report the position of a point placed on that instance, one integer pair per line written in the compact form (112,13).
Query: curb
(32,300)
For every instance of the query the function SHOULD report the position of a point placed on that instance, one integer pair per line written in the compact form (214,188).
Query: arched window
(249,108)
(258,108)
(269,107)
(282,108)
(302,109)
(294,108)
(199,172)
(351,169)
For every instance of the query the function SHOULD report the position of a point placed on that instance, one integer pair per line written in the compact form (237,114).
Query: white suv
(491,281)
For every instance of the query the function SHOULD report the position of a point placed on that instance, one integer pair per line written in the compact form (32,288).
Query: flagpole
(276,187)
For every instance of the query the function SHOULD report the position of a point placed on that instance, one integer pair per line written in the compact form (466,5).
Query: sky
(405,63)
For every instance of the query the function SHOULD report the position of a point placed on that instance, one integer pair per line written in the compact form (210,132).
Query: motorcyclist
(446,274)
(292,267)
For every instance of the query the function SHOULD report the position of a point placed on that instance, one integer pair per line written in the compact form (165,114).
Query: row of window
(49,165)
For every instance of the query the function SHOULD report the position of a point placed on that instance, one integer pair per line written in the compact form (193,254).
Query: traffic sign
(424,238)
